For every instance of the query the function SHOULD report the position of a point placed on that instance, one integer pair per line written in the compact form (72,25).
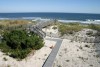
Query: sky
(66,6)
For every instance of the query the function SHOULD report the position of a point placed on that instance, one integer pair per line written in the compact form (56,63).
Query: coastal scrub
(69,28)
(18,43)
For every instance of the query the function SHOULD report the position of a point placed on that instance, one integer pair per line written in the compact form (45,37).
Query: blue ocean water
(61,16)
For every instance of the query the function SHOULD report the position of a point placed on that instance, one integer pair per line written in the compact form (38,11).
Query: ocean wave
(20,18)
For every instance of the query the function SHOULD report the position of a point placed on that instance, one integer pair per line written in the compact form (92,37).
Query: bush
(89,33)
(18,43)
(5,59)
(54,28)
(98,33)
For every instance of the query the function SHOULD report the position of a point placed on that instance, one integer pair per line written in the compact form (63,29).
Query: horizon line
(51,12)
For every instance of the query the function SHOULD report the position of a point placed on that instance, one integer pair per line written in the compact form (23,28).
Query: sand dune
(75,54)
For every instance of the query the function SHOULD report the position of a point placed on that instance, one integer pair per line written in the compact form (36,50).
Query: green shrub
(54,28)
(98,34)
(5,59)
(89,33)
(18,43)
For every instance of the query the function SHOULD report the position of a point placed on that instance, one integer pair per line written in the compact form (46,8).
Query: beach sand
(75,54)
(33,60)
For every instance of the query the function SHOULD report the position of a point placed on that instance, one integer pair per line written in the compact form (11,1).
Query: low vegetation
(5,59)
(18,43)
(54,27)
(6,25)
(13,22)
(70,28)
(94,27)
(90,33)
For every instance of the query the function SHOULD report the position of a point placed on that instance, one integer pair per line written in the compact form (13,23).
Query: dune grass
(6,25)
(94,27)
(70,28)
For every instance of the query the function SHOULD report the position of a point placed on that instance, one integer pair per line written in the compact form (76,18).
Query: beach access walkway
(38,28)
(50,60)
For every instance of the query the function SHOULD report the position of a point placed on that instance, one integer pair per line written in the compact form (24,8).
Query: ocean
(60,16)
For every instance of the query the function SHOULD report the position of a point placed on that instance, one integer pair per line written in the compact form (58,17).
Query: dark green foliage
(76,23)
(5,59)
(1,26)
(98,33)
(18,43)
(89,33)
(54,28)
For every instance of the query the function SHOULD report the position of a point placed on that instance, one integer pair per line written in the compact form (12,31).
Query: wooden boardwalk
(38,28)
(50,60)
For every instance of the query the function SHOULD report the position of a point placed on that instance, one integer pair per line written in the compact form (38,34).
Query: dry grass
(6,25)
(13,22)
(69,28)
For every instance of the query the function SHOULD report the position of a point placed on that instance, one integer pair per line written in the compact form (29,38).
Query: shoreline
(87,21)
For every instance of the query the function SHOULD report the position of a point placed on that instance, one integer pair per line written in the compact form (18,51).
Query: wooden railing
(38,28)
(38,31)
